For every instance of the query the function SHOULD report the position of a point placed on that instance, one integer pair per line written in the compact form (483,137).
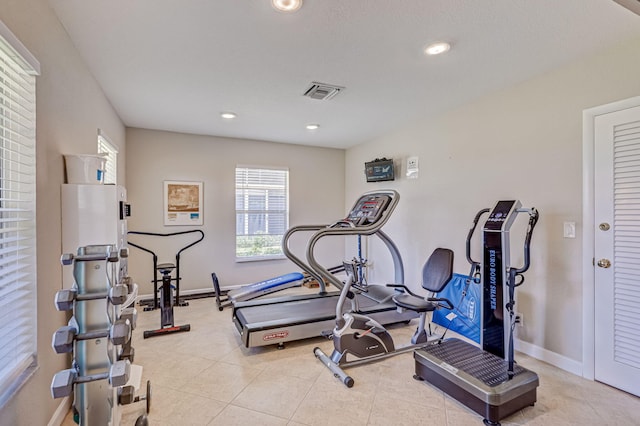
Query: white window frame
(110,152)
(18,303)
(240,190)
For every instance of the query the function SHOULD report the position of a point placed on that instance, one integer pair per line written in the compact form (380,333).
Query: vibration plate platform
(476,378)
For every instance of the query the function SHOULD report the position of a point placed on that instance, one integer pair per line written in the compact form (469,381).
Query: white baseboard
(557,360)
(61,412)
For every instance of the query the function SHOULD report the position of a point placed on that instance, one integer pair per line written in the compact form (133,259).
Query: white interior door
(617,249)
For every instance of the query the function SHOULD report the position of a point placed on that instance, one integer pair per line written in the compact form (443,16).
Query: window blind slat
(17,214)
(17,150)
(15,102)
(17,72)
(12,267)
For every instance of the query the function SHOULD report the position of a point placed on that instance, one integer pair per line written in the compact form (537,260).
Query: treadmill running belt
(291,312)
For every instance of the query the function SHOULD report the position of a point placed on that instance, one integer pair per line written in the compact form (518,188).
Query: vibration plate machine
(486,379)
(278,320)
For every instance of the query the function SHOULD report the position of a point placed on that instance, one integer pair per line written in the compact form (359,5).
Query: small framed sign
(183,203)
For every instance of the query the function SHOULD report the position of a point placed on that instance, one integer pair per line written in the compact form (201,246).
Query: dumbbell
(62,342)
(126,395)
(127,352)
(117,295)
(63,381)
(130,314)
(111,255)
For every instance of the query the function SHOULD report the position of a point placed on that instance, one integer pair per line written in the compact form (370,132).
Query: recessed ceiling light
(437,48)
(228,115)
(312,126)
(286,5)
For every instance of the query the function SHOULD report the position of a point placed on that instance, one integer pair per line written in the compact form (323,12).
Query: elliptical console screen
(368,209)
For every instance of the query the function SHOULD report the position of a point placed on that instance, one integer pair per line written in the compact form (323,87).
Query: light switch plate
(569,229)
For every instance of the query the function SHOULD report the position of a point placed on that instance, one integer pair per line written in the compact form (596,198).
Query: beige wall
(70,109)
(525,143)
(316,179)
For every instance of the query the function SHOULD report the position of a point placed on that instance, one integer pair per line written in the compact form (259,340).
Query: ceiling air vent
(632,5)
(322,91)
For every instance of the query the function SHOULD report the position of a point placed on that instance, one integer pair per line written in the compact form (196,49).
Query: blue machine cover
(466,307)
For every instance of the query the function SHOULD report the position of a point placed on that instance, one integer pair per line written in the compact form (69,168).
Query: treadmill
(288,318)
(485,378)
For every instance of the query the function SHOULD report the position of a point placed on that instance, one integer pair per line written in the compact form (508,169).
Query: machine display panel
(498,215)
(368,209)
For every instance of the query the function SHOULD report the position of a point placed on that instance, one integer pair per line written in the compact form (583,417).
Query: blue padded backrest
(438,270)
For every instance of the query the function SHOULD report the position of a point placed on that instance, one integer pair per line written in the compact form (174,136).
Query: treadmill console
(369,209)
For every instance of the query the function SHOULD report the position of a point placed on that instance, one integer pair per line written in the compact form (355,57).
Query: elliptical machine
(366,339)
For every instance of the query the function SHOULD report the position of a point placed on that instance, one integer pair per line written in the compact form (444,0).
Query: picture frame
(183,203)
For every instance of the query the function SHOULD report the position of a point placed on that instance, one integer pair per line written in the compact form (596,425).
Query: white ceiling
(176,64)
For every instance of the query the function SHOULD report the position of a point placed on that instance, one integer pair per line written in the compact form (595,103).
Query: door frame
(588,228)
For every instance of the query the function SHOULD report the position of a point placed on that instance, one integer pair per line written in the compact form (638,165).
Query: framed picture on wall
(182,203)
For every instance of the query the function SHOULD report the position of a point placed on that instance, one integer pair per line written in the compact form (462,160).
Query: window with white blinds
(110,152)
(262,212)
(17,213)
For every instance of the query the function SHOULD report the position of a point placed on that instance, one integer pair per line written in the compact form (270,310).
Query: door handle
(604,263)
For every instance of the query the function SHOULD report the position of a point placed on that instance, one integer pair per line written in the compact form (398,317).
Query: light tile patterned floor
(205,377)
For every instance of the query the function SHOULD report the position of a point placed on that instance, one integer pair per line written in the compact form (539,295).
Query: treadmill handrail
(295,259)
(370,229)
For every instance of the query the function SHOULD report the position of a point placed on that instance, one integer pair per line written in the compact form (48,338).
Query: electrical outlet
(519,319)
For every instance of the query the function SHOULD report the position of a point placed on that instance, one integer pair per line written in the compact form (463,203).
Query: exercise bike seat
(436,274)
(165,268)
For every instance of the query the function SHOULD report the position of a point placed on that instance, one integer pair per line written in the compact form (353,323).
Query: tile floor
(205,377)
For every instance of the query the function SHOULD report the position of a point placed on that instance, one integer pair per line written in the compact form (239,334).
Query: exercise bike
(367,340)
(166,296)
(166,305)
